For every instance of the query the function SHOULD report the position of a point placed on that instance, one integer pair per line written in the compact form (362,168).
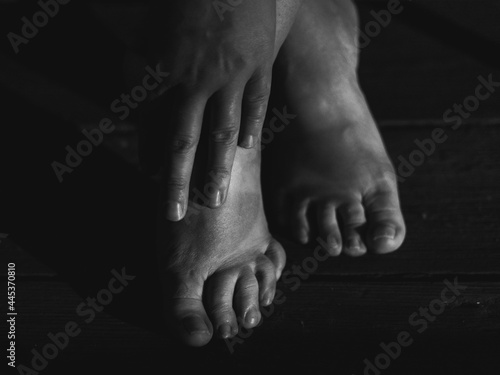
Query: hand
(217,61)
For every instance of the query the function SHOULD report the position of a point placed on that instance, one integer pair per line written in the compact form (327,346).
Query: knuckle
(183,144)
(219,174)
(225,136)
(249,289)
(176,183)
(259,99)
(254,121)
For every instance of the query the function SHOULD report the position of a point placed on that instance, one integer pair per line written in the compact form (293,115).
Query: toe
(219,296)
(386,228)
(277,255)
(329,228)
(246,299)
(266,277)
(353,220)
(300,224)
(186,316)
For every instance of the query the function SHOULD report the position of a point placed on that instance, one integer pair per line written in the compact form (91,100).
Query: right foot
(340,181)
(219,265)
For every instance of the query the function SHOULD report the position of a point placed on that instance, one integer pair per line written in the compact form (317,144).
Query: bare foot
(340,180)
(219,265)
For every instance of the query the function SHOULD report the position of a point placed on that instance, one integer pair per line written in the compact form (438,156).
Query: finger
(225,123)
(255,102)
(181,150)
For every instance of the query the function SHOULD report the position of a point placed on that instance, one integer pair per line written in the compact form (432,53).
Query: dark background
(65,238)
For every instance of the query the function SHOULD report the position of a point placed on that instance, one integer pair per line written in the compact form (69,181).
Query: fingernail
(225,331)
(248,141)
(195,325)
(173,211)
(384,232)
(267,299)
(251,317)
(218,198)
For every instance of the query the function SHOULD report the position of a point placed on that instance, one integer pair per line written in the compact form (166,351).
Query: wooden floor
(328,323)
(66,238)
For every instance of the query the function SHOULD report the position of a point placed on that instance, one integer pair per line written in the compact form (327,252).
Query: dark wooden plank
(451,205)
(26,264)
(408,71)
(318,326)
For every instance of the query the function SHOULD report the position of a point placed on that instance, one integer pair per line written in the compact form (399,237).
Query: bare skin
(218,58)
(219,265)
(340,183)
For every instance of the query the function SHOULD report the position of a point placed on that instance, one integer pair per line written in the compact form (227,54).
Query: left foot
(341,184)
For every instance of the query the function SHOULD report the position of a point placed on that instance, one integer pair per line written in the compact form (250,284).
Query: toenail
(195,325)
(353,244)
(333,243)
(225,331)
(251,317)
(173,211)
(303,236)
(385,232)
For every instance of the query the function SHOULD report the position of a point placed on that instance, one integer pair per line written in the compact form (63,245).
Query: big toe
(386,227)
(186,316)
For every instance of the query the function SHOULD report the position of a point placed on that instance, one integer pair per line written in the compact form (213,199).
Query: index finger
(180,154)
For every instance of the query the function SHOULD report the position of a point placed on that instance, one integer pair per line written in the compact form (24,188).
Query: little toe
(386,227)
(266,277)
(277,255)
(246,299)
(353,219)
(329,228)
(219,297)
(186,315)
